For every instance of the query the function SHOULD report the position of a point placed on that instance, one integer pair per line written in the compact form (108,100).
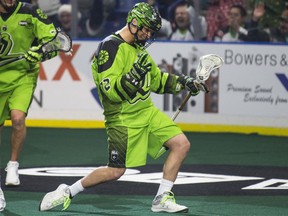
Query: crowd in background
(189,20)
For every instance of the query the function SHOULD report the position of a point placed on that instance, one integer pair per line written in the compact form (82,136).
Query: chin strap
(139,43)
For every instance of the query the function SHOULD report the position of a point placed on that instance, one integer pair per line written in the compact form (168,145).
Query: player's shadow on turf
(118,206)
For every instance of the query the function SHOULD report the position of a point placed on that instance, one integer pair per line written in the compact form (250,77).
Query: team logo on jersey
(22,23)
(114,155)
(27,23)
(41,14)
(103,57)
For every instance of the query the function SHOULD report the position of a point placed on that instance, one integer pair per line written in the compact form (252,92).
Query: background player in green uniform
(125,75)
(23,28)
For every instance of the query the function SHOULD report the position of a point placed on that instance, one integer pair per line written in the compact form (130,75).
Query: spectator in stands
(103,17)
(115,13)
(99,18)
(280,33)
(238,30)
(161,6)
(216,15)
(256,32)
(65,18)
(84,6)
(185,24)
(272,11)
(89,26)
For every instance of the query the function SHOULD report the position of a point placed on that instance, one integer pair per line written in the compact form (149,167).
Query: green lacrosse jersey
(120,98)
(20,29)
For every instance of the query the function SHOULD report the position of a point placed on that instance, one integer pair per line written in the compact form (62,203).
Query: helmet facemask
(143,44)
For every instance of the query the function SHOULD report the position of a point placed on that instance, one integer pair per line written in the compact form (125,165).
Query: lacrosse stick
(61,42)
(206,65)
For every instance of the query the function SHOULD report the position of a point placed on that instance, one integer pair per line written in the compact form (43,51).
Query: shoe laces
(66,204)
(66,200)
(12,164)
(169,195)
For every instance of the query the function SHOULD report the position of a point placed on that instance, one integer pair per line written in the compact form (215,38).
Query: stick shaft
(11,60)
(182,105)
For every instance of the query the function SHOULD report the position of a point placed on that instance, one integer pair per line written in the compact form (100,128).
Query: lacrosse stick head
(61,42)
(206,65)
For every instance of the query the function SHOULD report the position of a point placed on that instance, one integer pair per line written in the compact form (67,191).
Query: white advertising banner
(65,89)
(254,81)
(249,89)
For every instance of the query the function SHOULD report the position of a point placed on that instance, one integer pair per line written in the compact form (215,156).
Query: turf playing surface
(226,154)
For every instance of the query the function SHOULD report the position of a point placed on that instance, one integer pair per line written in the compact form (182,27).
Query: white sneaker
(166,203)
(52,199)
(2,200)
(12,177)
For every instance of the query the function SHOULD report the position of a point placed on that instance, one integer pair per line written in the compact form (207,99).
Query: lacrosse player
(125,75)
(22,29)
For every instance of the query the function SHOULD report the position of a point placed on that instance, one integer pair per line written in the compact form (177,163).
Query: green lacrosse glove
(34,55)
(190,84)
(139,69)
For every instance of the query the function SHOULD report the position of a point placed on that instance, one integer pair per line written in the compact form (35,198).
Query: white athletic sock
(76,188)
(165,185)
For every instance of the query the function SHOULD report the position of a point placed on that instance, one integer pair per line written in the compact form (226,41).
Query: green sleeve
(44,31)
(163,82)
(43,28)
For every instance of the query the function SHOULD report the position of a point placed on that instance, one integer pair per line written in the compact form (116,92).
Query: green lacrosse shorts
(19,98)
(130,144)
